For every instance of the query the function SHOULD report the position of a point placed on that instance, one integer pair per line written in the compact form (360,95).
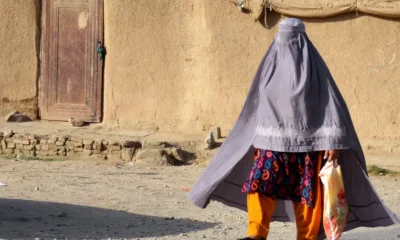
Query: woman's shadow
(22,219)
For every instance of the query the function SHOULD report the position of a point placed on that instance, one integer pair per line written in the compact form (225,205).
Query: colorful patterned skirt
(279,175)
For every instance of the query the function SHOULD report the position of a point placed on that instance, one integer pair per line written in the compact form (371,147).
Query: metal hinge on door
(101,50)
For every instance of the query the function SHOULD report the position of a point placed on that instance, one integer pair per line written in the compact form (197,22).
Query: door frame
(44,58)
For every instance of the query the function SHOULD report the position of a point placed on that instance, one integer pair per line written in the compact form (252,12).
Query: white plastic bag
(336,209)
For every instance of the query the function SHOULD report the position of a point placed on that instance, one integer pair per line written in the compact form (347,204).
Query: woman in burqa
(294,119)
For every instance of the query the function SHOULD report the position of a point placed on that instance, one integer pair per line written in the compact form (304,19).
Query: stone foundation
(74,147)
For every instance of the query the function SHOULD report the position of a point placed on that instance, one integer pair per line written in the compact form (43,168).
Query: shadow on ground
(381,233)
(21,219)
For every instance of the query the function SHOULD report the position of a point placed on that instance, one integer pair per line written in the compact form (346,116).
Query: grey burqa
(293,105)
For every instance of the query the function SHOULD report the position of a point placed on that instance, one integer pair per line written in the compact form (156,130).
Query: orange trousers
(308,220)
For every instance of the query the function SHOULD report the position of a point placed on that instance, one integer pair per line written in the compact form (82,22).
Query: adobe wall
(19,41)
(186,65)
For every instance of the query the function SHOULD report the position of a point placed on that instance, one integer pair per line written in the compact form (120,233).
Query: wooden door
(71,72)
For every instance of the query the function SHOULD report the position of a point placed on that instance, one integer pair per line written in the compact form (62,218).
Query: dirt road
(88,200)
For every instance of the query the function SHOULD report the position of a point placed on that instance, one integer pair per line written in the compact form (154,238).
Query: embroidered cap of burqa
(293,105)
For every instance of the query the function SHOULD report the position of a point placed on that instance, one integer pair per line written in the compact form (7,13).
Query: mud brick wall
(65,146)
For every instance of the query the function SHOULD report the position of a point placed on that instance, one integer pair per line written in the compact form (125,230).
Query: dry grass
(374,170)
(29,158)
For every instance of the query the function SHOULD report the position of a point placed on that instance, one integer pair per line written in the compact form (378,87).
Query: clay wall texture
(186,65)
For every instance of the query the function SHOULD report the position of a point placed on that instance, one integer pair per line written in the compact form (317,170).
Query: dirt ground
(89,200)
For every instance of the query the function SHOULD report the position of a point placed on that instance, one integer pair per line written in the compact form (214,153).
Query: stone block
(43,153)
(115,148)
(17,141)
(3,144)
(98,157)
(96,151)
(32,137)
(81,154)
(105,143)
(60,143)
(25,142)
(113,151)
(28,147)
(34,141)
(78,144)
(11,145)
(43,141)
(72,154)
(8,133)
(87,152)
(53,153)
(216,131)
(53,147)
(97,146)
(127,154)
(210,141)
(19,146)
(62,149)
(160,161)
(87,142)
(88,147)
(38,147)
(116,152)
(61,153)
(45,147)
(27,153)
(8,151)
(53,139)
(69,143)
(78,149)
(153,153)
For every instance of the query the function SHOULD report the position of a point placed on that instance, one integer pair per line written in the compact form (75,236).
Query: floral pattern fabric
(279,175)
